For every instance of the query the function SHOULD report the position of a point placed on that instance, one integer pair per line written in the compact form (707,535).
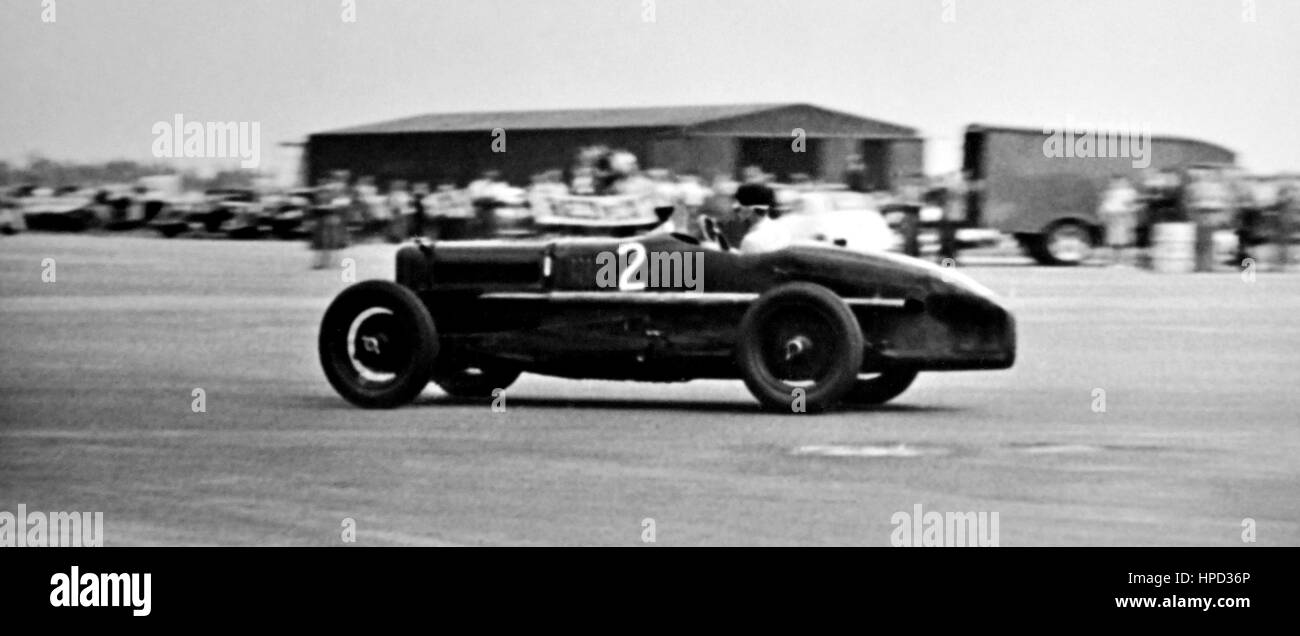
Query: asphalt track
(97,371)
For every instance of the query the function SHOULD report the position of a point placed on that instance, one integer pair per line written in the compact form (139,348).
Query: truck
(1043,187)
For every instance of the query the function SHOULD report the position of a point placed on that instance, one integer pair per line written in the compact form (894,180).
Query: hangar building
(706,140)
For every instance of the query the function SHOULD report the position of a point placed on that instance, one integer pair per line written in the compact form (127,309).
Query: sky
(91,84)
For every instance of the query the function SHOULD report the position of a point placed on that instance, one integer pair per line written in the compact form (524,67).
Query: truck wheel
(1064,243)
(378,344)
(799,344)
(171,230)
(474,380)
(881,388)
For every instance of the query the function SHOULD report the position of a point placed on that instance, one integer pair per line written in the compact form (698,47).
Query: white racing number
(632,258)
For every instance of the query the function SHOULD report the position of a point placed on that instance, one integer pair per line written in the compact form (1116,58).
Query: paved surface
(1199,430)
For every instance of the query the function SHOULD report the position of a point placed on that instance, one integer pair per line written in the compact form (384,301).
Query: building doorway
(777,156)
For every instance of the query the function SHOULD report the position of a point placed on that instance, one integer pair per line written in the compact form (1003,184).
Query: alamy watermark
(633,268)
(1106,141)
(38,529)
(946,529)
(92,589)
(211,140)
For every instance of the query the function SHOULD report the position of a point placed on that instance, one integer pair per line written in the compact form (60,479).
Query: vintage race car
(805,326)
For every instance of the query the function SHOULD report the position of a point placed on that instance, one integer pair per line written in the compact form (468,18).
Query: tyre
(213,220)
(473,380)
(879,389)
(378,344)
(244,232)
(799,337)
(172,230)
(1064,243)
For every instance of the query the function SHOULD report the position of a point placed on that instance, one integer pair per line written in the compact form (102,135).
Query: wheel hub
(376,345)
(1069,244)
(793,353)
(795,347)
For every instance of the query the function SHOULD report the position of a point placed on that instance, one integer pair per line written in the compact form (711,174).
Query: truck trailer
(1043,186)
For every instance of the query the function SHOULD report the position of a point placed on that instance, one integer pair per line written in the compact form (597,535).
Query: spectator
(1259,197)
(910,189)
(665,197)
(1149,195)
(856,175)
(329,233)
(1118,213)
(420,211)
(546,188)
(617,172)
(399,211)
(1286,218)
(555,185)
(665,190)
(956,199)
(452,212)
(909,197)
(485,188)
(584,181)
(585,173)
(1206,198)
(629,181)
(485,193)
(692,197)
(369,206)
(720,202)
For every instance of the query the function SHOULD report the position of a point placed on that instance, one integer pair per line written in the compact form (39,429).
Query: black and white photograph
(650,273)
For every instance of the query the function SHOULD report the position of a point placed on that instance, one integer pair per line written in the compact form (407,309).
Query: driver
(756,213)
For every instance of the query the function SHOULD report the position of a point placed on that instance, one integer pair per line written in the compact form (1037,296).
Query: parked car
(66,209)
(286,215)
(182,214)
(11,216)
(235,212)
(843,217)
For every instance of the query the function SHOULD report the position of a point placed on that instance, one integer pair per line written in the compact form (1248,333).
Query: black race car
(805,326)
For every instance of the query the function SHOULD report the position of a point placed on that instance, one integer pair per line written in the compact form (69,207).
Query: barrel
(1173,247)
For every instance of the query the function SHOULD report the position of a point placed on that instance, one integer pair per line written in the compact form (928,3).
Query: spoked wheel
(473,380)
(799,337)
(880,388)
(378,344)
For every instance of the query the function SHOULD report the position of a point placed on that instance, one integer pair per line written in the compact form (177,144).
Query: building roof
(1044,130)
(709,119)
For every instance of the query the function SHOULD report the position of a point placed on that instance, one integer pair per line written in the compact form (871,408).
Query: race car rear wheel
(473,380)
(799,349)
(378,344)
(880,388)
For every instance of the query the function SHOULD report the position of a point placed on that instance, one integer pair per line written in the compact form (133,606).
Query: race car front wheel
(879,388)
(799,348)
(378,344)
